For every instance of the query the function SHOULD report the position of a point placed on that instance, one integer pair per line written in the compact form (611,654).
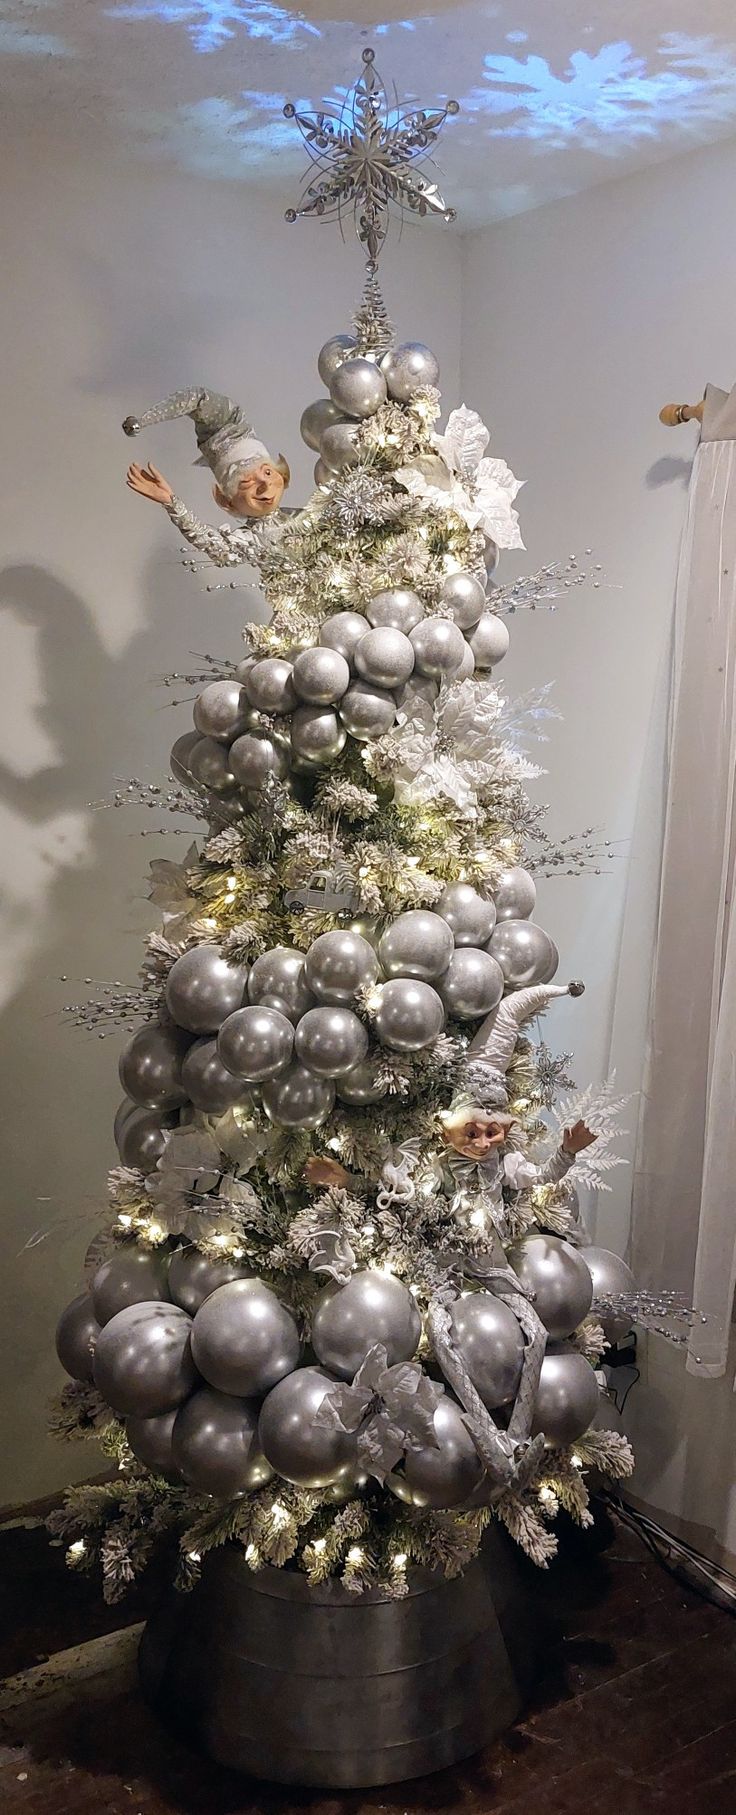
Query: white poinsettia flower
(460,477)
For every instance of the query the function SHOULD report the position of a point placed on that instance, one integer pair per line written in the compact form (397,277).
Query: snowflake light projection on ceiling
(210,23)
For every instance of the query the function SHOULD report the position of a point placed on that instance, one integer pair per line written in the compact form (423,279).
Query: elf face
(476,1133)
(259,490)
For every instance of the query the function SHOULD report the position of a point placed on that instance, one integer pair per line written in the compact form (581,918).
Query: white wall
(580,320)
(119,284)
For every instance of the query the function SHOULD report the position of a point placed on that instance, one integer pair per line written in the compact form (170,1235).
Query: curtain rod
(672,414)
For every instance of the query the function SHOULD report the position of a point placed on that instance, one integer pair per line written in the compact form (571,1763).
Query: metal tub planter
(315,1686)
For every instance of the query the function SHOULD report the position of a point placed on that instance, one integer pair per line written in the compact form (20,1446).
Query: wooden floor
(635,1712)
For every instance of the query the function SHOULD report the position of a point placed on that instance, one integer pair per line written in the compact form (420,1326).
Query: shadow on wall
(668,471)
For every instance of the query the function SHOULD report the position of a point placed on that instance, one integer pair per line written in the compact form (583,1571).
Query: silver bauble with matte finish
(297,1448)
(552,965)
(567,1397)
(203,988)
(367,711)
(222,711)
(323,475)
(244,1339)
(209,1085)
(143,1360)
(339,446)
(335,351)
(254,760)
(194,1275)
(439,647)
(417,944)
(330,1040)
(150,1067)
(360,1085)
(317,417)
(150,1441)
(342,632)
(143,1138)
(373,1307)
(296,1098)
(384,657)
(408,369)
(444,1476)
(358,387)
(76,1334)
(281,973)
(255,1043)
(559,1278)
(515,894)
(269,685)
(215,1444)
(524,952)
(209,766)
(396,608)
(489,641)
(130,1276)
(472,984)
(321,676)
(470,916)
(317,735)
(491,1343)
(410,1015)
(611,1279)
(464,598)
(181,751)
(466,669)
(338,964)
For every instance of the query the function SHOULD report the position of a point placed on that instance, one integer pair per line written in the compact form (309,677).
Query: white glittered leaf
(465,440)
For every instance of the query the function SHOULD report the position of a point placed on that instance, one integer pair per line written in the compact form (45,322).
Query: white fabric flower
(461,478)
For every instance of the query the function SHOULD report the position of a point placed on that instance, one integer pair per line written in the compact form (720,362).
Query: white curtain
(684,1199)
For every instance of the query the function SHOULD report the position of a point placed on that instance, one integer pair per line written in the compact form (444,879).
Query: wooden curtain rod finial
(674,413)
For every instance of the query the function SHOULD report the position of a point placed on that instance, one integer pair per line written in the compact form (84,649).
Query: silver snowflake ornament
(365,156)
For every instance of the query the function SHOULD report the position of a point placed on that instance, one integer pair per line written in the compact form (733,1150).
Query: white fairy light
(77,1549)
(576,1461)
(125,1219)
(279,1515)
(195,1556)
(400,1560)
(355,1554)
(251,1553)
(319,1545)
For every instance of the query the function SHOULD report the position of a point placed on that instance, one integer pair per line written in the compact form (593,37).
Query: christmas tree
(347,1313)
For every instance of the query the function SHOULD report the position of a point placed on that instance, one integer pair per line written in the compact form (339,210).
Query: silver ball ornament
(333,354)
(255,1043)
(269,685)
(524,952)
(567,1397)
(338,964)
(417,944)
(515,894)
(143,1360)
(317,417)
(557,1275)
(464,597)
(358,387)
(131,1276)
(181,752)
(491,1343)
(408,369)
(489,641)
(552,965)
(193,1276)
(395,608)
(76,1334)
(439,647)
(297,1448)
(410,1015)
(367,711)
(342,632)
(444,1476)
(203,988)
(254,760)
(143,1138)
(208,1084)
(317,736)
(150,1441)
(209,765)
(466,669)
(298,1099)
(281,973)
(330,1041)
(472,984)
(360,1085)
(122,1113)
(470,916)
(384,657)
(491,555)
(323,475)
(221,711)
(215,1444)
(373,1307)
(339,447)
(321,676)
(150,1067)
(611,1279)
(244,1339)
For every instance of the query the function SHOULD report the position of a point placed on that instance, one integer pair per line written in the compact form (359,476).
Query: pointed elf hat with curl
(491,1051)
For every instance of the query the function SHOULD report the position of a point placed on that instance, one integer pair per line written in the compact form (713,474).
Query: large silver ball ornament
(179,759)
(367,711)
(611,1279)
(361,1085)
(339,447)
(552,965)
(410,1015)
(317,417)
(466,669)
(143,1138)
(215,1444)
(150,1441)
(567,1397)
(254,760)
(209,765)
(150,1067)
(335,351)
(358,387)
(338,964)
(469,915)
(408,369)
(323,475)
(330,1041)
(343,632)
(76,1334)
(489,641)
(464,597)
(444,1476)
(203,988)
(384,657)
(317,735)
(418,944)
(472,984)
(255,1043)
(124,1110)
(193,1276)
(298,1449)
(269,685)
(209,1085)
(515,894)
(524,952)
(131,1276)
(490,1340)
(439,647)
(297,1098)
(143,1360)
(321,676)
(557,1275)
(348,1320)
(491,555)
(281,973)
(244,1339)
(395,608)
(222,711)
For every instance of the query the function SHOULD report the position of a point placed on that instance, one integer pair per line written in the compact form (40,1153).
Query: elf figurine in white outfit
(249,482)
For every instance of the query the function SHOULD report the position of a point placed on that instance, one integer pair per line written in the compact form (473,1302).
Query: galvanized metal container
(316,1686)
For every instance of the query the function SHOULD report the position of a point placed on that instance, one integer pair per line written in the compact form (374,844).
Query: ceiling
(554,97)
